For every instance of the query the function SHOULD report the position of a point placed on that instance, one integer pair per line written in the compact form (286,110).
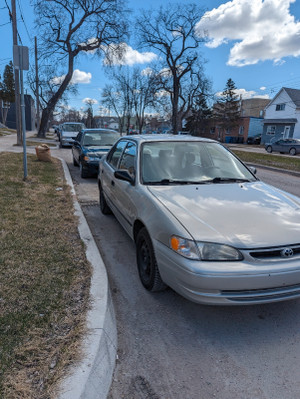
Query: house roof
(294,94)
(284,121)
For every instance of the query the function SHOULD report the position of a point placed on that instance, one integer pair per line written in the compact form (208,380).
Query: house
(282,116)
(249,124)
(253,107)
(29,114)
(108,122)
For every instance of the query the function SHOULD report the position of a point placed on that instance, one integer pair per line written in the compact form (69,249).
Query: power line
(23,20)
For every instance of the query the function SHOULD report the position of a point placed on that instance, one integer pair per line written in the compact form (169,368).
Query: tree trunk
(175,106)
(47,112)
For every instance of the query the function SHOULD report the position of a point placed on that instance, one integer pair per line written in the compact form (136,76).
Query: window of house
(271,129)
(228,130)
(241,130)
(280,107)
(212,130)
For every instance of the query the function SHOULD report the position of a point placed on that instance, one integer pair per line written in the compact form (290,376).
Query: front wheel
(146,262)
(83,172)
(75,163)
(269,149)
(292,151)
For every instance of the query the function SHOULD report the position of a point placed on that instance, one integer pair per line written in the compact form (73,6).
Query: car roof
(167,137)
(91,130)
(72,123)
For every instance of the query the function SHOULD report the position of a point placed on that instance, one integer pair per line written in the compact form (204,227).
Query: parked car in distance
(89,146)
(68,131)
(254,139)
(202,222)
(289,146)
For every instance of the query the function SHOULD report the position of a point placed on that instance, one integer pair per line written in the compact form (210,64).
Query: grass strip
(276,161)
(5,131)
(44,278)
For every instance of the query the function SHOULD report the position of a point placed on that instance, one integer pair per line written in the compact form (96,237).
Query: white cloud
(261,29)
(88,100)
(262,88)
(78,77)
(126,55)
(81,77)
(147,71)
(246,94)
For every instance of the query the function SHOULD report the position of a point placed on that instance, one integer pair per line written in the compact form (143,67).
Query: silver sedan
(289,146)
(203,224)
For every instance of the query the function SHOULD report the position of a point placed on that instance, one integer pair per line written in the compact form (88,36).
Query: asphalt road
(170,348)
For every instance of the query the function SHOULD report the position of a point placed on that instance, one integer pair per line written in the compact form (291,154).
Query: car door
(125,193)
(278,146)
(107,169)
(76,147)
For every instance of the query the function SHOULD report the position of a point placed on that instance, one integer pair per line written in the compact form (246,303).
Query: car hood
(69,134)
(245,215)
(96,150)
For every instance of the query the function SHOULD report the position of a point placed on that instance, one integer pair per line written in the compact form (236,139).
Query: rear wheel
(104,208)
(292,151)
(269,149)
(146,262)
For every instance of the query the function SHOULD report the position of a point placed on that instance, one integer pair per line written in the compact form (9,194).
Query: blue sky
(254,42)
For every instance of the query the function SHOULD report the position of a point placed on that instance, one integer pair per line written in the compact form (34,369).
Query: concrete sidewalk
(91,377)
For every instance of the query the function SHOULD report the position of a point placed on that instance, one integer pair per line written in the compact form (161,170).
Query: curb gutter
(91,377)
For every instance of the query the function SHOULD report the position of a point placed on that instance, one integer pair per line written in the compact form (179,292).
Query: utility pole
(37,86)
(17,76)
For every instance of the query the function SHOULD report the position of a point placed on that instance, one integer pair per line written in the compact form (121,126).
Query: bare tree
(170,31)
(70,27)
(48,86)
(129,94)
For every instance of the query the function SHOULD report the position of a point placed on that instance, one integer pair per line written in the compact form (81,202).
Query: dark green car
(89,146)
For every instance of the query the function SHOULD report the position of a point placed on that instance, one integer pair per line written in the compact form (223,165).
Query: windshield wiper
(179,182)
(227,180)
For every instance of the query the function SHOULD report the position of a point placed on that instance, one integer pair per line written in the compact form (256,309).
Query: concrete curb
(92,377)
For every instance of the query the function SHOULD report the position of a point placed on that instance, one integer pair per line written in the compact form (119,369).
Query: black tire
(75,163)
(292,151)
(104,208)
(83,172)
(146,263)
(269,149)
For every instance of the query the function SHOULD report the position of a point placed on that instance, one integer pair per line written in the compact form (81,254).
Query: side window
(78,137)
(115,154)
(128,160)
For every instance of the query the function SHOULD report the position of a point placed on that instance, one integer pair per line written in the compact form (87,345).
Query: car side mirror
(124,175)
(252,169)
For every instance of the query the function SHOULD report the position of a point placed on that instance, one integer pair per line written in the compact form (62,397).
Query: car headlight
(218,252)
(205,251)
(184,247)
(91,157)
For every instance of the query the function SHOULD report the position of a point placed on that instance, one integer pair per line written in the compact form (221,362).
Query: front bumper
(228,283)
(91,166)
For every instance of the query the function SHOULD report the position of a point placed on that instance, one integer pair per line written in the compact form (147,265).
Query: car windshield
(190,162)
(100,138)
(73,127)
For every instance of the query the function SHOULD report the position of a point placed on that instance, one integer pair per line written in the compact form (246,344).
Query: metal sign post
(21,62)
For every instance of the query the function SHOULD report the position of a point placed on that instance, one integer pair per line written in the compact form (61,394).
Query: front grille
(274,252)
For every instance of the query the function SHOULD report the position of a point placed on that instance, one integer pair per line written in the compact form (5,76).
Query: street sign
(21,57)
